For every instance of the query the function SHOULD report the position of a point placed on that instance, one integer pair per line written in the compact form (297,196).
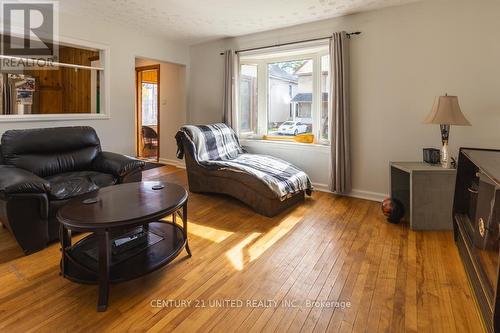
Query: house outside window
(285,94)
(282,86)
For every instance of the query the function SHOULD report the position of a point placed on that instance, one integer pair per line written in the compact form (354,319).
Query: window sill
(285,145)
(53,117)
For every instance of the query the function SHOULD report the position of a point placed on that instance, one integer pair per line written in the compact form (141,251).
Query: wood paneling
(65,90)
(48,97)
(331,248)
(149,76)
(76,83)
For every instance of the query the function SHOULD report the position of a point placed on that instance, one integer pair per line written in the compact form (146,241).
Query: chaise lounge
(40,169)
(216,163)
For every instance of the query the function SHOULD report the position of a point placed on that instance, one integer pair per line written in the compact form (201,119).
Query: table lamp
(445,112)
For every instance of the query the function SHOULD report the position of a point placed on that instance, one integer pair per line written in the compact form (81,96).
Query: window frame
(104,69)
(263,93)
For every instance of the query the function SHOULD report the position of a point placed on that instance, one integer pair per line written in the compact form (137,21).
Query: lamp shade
(446,111)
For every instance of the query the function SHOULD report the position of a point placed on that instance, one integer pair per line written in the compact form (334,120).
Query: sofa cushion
(72,184)
(50,151)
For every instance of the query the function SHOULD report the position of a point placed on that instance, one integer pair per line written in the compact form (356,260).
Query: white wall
(405,56)
(117,133)
(173,102)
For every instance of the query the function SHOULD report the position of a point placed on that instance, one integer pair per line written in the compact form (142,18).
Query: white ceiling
(194,21)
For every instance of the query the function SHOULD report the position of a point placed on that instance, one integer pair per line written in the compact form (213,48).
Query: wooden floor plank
(328,249)
(272,280)
(315,281)
(299,285)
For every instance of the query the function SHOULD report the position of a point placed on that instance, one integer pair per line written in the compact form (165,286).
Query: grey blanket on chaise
(217,146)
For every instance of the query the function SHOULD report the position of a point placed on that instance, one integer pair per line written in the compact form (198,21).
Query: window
(284,94)
(248,98)
(149,103)
(325,87)
(73,84)
(286,85)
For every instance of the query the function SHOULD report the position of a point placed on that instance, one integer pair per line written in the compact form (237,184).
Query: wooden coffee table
(118,210)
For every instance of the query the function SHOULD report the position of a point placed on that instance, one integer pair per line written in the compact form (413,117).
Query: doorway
(148,113)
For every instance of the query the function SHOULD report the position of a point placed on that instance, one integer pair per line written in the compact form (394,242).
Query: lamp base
(445,156)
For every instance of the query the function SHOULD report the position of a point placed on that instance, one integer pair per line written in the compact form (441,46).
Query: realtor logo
(29,31)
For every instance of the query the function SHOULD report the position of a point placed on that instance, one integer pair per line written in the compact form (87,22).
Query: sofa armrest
(116,164)
(15,181)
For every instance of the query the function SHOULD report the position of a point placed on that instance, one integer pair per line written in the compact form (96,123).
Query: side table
(426,192)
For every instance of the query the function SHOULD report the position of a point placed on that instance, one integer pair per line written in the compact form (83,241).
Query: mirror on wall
(72,85)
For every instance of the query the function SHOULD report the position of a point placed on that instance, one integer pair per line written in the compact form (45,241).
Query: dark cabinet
(476,215)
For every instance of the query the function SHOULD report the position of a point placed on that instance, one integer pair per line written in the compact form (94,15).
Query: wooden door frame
(138,108)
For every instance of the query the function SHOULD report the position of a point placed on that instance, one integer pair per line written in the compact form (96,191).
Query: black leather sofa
(40,169)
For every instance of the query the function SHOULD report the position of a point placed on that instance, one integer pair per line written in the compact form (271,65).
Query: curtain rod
(291,43)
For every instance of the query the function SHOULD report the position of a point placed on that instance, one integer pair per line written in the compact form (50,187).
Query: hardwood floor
(385,277)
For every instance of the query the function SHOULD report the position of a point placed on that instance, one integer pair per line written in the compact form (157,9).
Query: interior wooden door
(148,112)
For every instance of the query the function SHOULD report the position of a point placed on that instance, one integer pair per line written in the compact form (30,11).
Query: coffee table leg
(103,247)
(184,226)
(65,239)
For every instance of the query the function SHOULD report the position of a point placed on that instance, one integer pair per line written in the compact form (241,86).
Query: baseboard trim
(368,195)
(176,163)
(360,194)
(321,187)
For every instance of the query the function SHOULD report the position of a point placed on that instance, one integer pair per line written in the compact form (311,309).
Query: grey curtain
(340,161)
(231,64)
